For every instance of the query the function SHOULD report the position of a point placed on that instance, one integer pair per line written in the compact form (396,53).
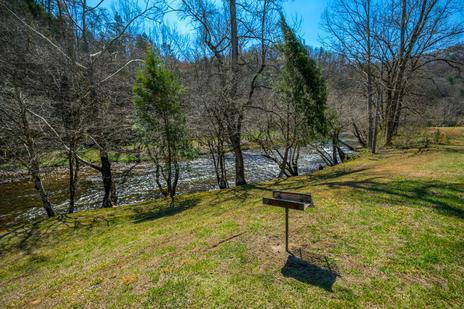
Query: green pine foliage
(302,82)
(157,93)
(161,121)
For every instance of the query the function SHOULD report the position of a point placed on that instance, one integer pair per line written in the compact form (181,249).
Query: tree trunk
(234,44)
(359,135)
(397,81)
(216,149)
(284,162)
(234,116)
(370,110)
(222,180)
(334,149)
(376,122)
(110,198)
(73,179)
(295,155)
(392,121)
(40,189)
(34,168)
(239,166)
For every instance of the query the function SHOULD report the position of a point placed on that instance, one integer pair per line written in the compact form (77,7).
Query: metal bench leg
(286,229)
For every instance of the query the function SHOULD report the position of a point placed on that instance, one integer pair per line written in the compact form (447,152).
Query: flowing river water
(19,201)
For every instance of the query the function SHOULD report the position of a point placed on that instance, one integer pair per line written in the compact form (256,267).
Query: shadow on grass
(335,173)
(179,206)
(442,197)
(310,269)
(27,236)
(454,149)
(239,195)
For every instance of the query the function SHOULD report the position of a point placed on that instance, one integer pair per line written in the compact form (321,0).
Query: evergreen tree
(161,121)
(302,83)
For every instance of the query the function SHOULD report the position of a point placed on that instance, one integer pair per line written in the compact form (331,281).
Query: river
(19,201)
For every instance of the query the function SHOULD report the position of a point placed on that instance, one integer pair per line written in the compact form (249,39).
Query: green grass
(386,231)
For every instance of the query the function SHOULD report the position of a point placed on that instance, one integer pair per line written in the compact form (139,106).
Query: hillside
(386,230)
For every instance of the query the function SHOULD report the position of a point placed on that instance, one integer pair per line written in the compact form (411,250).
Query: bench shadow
(310,269)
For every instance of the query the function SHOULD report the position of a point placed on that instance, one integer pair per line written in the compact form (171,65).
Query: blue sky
(308,13)
(305,13)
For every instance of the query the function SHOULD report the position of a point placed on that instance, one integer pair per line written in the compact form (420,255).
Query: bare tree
(23,138)
(413,34)
(226,32)
(389,47)
(95,61)
(350,24)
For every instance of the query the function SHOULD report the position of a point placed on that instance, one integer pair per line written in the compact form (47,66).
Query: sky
(308,13)
(304,13)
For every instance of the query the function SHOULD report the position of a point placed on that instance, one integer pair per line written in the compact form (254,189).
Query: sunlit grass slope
(386,230)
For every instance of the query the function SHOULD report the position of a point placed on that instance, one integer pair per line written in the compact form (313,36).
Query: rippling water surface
(19,201)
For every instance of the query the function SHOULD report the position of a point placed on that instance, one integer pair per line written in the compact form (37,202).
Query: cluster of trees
(77,75)
(391,44)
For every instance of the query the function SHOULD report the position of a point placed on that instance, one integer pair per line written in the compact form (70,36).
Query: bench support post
(286,229)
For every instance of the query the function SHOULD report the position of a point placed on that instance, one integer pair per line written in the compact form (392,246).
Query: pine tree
(161,121)
(302,83)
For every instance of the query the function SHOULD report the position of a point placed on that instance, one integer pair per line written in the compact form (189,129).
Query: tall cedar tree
(303,83)
(161,121)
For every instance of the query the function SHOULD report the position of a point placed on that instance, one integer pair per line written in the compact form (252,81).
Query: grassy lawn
(386,231)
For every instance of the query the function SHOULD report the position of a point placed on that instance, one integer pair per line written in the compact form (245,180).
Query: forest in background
(68,68)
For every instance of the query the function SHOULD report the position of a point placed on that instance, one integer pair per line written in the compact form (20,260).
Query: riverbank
(19,201)
(386,230)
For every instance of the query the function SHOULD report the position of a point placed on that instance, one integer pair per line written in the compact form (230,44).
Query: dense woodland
(77,75)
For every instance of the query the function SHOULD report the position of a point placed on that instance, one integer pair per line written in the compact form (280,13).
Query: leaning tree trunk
(41,190)
(337,149)
(34,162)
(359,135)
(283,164)
(110,198)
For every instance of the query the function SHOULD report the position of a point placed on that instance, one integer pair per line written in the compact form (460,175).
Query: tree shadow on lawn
(242,193)
(454,149)
(27,236)
(238,195)
(179,206)
(336,173)
(311,269)
(442,197)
